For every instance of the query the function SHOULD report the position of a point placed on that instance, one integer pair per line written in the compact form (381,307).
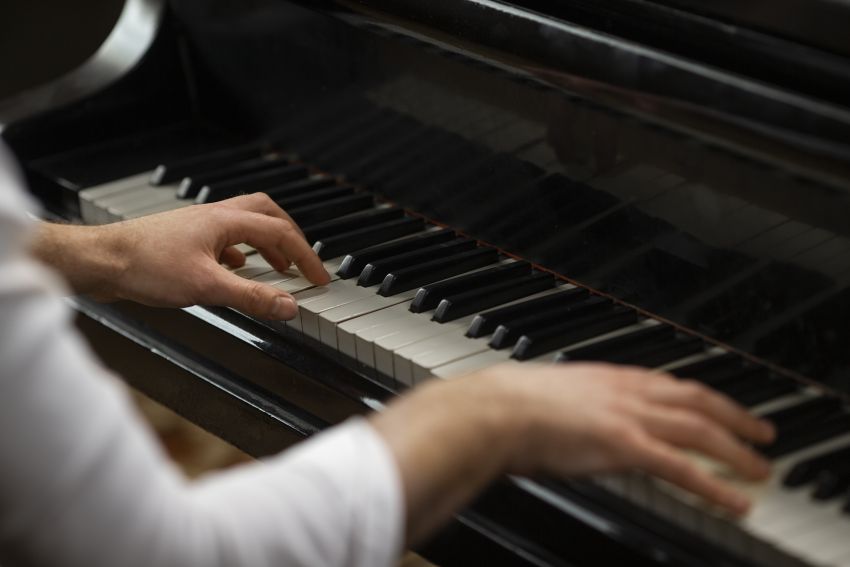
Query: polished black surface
(653,155)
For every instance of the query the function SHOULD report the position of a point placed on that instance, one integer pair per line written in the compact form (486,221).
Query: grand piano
(653,182)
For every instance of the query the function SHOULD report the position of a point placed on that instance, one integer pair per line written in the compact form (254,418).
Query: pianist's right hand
(453,437)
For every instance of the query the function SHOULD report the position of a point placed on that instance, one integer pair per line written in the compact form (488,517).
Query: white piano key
(330,320)
(116,211)
(406,321)
(448,349)
(255,266)
(273,278)
(407,331)
(474,363)
(347,331)
(300,283)
(88,197)
(102,204)
(160,208)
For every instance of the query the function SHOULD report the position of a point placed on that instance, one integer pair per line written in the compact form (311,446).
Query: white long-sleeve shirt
(83,483)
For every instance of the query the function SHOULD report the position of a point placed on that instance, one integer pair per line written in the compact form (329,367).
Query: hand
(453,437)
(173,259)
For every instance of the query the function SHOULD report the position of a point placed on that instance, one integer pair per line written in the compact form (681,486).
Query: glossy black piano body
(603,142)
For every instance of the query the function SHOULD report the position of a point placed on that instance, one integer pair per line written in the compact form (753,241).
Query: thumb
(252,298)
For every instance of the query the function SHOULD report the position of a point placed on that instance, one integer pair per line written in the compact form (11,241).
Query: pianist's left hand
(174,259)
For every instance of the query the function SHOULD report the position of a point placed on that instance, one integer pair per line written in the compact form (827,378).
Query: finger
(278,241)
(263,204)
(253,298)
(694,396)
(688,430)
(663,461)
(232,257)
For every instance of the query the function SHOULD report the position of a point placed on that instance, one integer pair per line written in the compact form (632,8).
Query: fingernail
(285,308)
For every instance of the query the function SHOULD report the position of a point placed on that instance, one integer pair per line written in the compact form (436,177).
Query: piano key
(806,470)
(191,185)
(429,296)
(348,242)
(300,283)
(315,197)
(160,208)
(709,366)
(486,323)
(337,294)
(348,223)
(550,338)
(508,333)
(760,390)
(331,321)
(413,277)
(471,302)
(255,265)
(814,432)
(832,482)
(661,353)
(333,208)
(354,263)
(803,413)
(222,189)
(387,333)
(174,171)
(301,187)
(114,209)
(375,272)
(473,363)
(88,197)
(390,347)
(608,349)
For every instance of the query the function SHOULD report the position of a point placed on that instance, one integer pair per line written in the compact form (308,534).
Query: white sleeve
(83,483)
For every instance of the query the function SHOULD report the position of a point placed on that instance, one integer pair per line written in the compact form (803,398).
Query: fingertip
(284,308)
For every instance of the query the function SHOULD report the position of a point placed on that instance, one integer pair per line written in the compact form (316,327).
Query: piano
(653,182)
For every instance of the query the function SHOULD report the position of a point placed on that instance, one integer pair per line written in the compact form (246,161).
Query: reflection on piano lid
(494,185)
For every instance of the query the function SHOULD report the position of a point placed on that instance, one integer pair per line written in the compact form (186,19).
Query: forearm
(450,440)
(89,257)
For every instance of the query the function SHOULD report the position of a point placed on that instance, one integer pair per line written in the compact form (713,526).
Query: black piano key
(356,221)
(664,352)
(331,209)
(429,296)
(609,348)
(375,272)
(314,197)
(435,270)
(800,438)
(456,306)
(300,187)
(348,242)
(251,183)
(807,470)
(191,185)
(735,378)
(486,323)
(548,339)
(722,364)
(508,333)
(354,263)
(759,391)
(175,171)
(832,483)
(804,412)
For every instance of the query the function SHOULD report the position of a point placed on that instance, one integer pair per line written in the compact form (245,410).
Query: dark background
(43,39)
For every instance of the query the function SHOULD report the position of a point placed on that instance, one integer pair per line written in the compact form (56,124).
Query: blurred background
(42,39)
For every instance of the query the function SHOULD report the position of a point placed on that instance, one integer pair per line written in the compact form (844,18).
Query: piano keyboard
(409,301)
